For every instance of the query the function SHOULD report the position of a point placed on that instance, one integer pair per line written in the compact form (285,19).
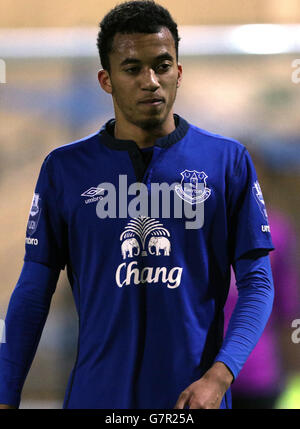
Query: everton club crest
(192,188)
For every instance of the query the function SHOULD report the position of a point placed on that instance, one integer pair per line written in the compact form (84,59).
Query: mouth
(155,101)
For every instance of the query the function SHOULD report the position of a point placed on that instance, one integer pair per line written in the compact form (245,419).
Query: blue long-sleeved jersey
(149,291)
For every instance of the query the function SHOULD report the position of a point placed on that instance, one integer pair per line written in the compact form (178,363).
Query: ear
(179,79)
(104,80)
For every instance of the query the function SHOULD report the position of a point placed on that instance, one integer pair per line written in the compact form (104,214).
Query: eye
(132,70)
(162,68)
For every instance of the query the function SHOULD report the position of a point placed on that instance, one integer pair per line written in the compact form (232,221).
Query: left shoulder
(218,139)
(215,145)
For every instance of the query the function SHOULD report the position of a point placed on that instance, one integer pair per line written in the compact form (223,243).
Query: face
(143,78)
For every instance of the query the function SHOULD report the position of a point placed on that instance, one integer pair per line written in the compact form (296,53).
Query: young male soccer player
(149,291)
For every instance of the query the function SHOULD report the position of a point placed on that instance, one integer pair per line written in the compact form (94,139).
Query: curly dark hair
(134,16)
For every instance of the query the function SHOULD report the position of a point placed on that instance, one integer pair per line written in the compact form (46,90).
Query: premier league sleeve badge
(257,193)
(34,215)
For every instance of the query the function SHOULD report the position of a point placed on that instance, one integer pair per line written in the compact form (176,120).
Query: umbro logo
(94,194)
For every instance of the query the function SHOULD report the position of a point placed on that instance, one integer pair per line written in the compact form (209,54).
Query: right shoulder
(74,149)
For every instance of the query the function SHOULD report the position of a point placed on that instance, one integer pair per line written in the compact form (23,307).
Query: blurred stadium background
(237,57)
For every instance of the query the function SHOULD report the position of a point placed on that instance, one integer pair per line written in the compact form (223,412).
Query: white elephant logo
(160,243)
(128,246)
(135,236)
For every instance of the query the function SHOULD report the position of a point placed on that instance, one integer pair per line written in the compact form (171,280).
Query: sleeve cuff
(224,357)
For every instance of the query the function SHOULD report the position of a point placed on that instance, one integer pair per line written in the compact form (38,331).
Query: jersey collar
(107,138)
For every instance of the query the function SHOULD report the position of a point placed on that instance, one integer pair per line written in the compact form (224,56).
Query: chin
(150,123)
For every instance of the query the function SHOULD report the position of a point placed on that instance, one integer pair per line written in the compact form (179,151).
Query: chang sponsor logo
(144,236)
(125,274)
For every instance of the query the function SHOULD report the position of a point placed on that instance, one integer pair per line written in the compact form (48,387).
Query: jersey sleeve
(46,235)
(25,319)
(248,218)
(255,286)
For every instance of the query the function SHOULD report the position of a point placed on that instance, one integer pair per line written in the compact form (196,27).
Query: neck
(144,138)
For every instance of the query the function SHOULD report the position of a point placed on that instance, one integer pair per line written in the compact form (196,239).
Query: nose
(149,80)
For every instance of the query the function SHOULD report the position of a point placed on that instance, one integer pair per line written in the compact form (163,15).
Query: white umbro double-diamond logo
(93,195)
(92,192)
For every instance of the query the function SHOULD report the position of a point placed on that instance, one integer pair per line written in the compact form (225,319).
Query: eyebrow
(161,57)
